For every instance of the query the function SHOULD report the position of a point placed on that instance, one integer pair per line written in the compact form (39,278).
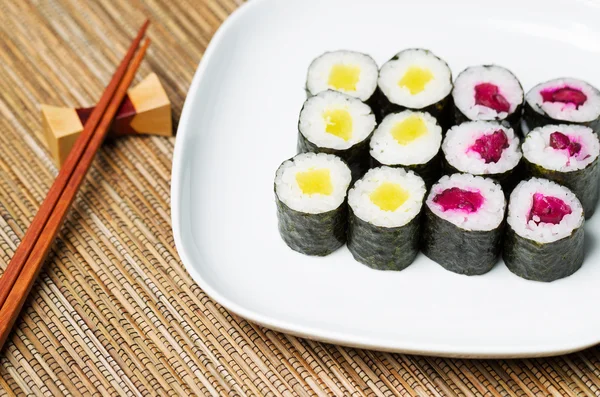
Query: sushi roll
(310,191)
(415,79)
(562,101)
(411,140)
(335,123)
(483,148)
(384,218)
(463,223)
(488,93)
(544,236)
(350,72)
(566,154)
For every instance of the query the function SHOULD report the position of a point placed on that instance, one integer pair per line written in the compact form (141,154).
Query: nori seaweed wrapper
(357,157)
(430,171)
(508,180)
(543,261)
(513,120)
(534,119)
(383,248)
(458,250)
(584,183)
(441,110)
(372,101)
(312,234)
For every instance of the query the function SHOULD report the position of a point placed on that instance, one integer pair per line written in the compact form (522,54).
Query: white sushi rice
(460,138)
(359,197)
(487,217)
(313,125)
(537,150)
(288,191)
(320,70)
(435,90)
(589,111)
(386,149)
(521,202)
(464,91)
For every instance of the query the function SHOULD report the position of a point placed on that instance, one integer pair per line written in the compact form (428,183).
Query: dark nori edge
(513,120)
(543,262)
(508,180)
(535,119)
(441,110)
(430,171)
(312,234)
(357,157)
(583,183)
(458,250)
(383,248)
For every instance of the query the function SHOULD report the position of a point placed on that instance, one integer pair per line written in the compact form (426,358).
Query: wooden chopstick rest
(145,110)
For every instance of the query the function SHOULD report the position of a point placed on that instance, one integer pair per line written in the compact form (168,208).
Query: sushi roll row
(414,79)
(379,216)
(465,231)
(388,216)
(417,79)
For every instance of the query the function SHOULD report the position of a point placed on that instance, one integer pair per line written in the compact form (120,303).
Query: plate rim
(299,330)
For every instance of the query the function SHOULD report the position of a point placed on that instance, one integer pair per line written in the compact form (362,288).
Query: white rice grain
(288,191)
(487,217)
(360,201)
(521,202)
(537,149)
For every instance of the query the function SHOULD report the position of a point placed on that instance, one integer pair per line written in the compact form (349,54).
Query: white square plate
(240,122)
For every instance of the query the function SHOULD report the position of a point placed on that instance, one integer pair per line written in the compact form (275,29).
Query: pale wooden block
(145,110)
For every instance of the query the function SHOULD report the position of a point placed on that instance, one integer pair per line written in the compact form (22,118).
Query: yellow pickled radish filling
(409,129)
(344,77)
(315,181)
(415,79)
(338,122)
(389,196)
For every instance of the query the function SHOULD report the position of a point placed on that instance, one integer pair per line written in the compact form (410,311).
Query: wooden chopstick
(21,287)
(41,217)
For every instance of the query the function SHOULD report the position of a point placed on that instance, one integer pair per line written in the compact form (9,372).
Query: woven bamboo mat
(114,312)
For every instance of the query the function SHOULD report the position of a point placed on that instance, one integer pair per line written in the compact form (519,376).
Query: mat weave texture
(114,312)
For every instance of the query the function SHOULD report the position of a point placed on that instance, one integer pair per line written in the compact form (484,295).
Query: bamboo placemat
(114,312)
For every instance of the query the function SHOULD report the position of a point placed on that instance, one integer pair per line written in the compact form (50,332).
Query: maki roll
(483,148)
(415,79)
(383,220)
(564,100)
(463,223)
(566,154)
(350,72)
(544,237)
(487,93)
(335,123)
(310,191)
(411,140)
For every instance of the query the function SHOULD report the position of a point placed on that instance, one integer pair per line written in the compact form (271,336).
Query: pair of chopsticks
(22,270)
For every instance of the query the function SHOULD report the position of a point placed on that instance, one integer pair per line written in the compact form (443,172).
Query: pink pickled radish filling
(458,199)
(564,95)
(548,209)
(490,147)
(488,95)
(560,141)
